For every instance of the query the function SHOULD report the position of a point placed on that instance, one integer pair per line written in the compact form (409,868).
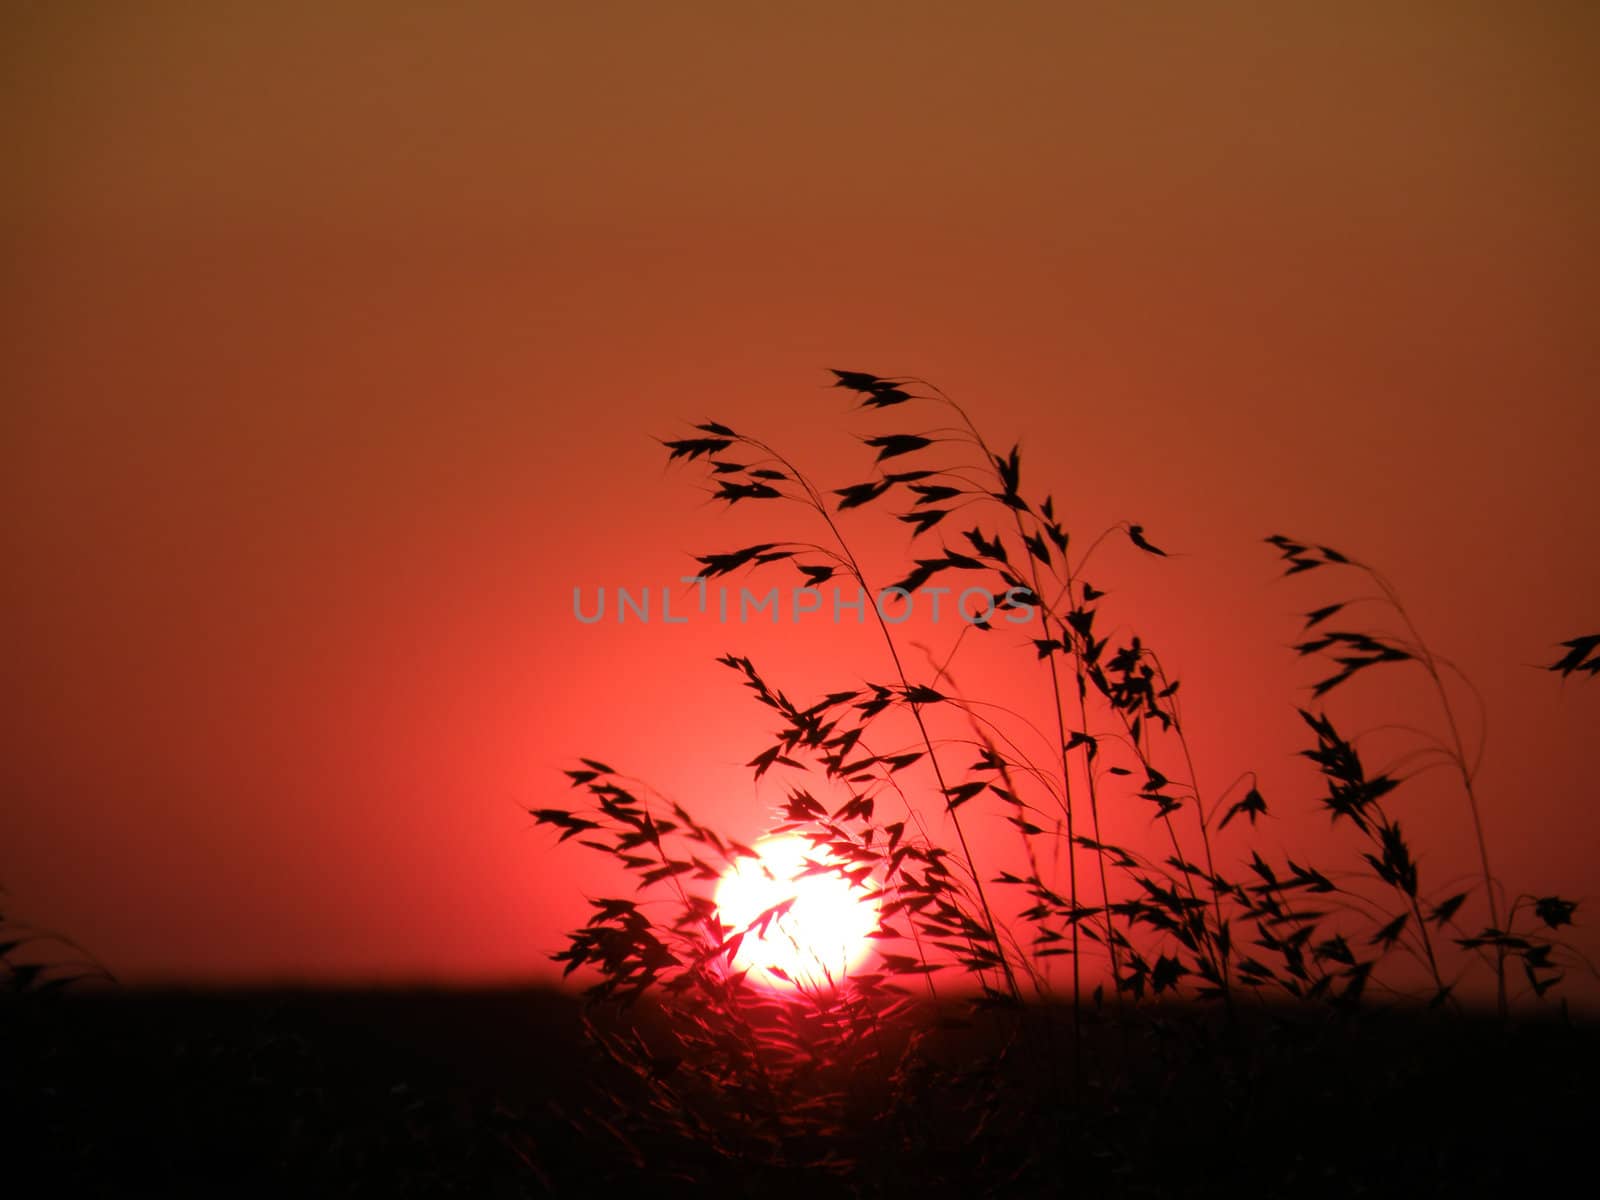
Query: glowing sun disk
(819,938)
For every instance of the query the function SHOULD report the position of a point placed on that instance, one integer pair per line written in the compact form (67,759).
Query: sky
(337,337)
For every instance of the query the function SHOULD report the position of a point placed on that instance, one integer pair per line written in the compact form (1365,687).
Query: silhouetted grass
(1064,953)
(1190,1015)
(34,960)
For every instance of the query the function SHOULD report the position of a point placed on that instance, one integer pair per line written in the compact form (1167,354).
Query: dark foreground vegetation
(1192,1013)
(500,1094)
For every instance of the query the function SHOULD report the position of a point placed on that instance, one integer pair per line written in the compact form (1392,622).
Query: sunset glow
(344,338)
(818,939)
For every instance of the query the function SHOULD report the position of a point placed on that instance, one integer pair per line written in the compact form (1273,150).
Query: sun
(822,935)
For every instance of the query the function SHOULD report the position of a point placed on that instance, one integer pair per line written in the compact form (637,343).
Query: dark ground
(469,1094)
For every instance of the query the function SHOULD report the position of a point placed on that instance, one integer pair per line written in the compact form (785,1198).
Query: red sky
(335,337)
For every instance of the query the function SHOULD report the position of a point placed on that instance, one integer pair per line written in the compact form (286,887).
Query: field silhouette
(1188,1013)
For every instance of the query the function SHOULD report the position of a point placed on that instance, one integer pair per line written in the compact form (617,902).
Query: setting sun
(822,934)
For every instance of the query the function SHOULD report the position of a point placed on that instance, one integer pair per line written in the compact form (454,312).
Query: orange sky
(335,335)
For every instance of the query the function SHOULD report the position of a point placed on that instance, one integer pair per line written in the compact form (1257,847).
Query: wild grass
(1074,945)
(35,961)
